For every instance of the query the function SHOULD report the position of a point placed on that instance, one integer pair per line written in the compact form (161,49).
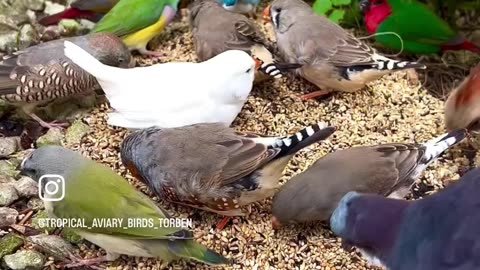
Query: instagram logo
(53,187)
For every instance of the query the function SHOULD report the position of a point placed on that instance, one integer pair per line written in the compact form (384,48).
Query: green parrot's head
(49,160)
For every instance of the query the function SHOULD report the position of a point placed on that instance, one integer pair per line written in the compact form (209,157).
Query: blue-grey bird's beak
(21,166)
(364,5)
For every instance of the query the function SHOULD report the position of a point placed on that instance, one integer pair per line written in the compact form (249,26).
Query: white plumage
(172,94)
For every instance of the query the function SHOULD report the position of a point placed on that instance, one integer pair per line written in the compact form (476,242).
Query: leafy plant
(345,12)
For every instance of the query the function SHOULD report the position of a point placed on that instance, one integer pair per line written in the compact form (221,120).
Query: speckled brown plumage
(42,73)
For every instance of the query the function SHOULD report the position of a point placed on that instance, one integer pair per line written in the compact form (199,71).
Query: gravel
(392,109)
(388,110)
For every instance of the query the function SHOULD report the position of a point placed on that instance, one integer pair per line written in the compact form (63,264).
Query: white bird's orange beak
(258,63)
(267,18)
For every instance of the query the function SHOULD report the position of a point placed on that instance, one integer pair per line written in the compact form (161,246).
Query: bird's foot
(223,223)
(86,262)
(315,94)
(146,52)
(53,124)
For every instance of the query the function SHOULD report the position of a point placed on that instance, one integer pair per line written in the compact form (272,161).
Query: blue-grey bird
(439,232)
(385,169)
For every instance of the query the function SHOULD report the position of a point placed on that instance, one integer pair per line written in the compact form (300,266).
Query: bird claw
(223,223)
(86,262)
(146,52)
(53,124)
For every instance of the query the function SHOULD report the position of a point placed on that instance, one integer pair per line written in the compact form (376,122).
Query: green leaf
(336,15)
(341,2)
(321,7)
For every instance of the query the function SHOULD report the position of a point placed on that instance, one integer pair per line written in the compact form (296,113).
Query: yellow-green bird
(138,21)
(92,194)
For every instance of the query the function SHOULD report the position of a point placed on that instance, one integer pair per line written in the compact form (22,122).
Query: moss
(9,244)
(7,168)
(71,236)
(76,132)
(54,136)
(37,223)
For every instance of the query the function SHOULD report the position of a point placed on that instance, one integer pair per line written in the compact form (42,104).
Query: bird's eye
(278,9)
(121,60)
(248,70)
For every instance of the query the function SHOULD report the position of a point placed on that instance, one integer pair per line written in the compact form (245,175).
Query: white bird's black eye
(248,70)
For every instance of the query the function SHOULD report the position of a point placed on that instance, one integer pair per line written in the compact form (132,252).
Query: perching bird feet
(53,124)
(315,94)
(146,52)
(221,225)
(86,262)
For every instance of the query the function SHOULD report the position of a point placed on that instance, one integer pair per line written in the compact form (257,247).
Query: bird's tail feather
(384,63)
(276,69)
(86,61)
(291,144)
(71,13)
(438,145)
(195,251)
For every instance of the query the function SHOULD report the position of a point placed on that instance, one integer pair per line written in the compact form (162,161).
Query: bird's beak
(258,63)
(364,5)
(132,62)
(20,166)
(275,223)
(266,15)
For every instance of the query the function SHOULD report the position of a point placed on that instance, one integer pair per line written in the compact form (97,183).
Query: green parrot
(138,21)
(92,193)
(422,31)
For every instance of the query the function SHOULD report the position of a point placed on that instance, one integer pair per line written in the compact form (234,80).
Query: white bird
(172,94)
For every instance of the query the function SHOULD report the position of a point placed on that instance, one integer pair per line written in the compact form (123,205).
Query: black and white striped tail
(276,69)
(383,63)
(437,146)
(305,137)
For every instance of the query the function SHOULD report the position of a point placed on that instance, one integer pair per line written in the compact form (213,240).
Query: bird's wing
(339,49)
(43,72)
(95,192)
(216,30)
(246,34)
(130,16)
(418,24)
(244,156)
(100,6)
(213,157)
(350,51)
(405,158)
